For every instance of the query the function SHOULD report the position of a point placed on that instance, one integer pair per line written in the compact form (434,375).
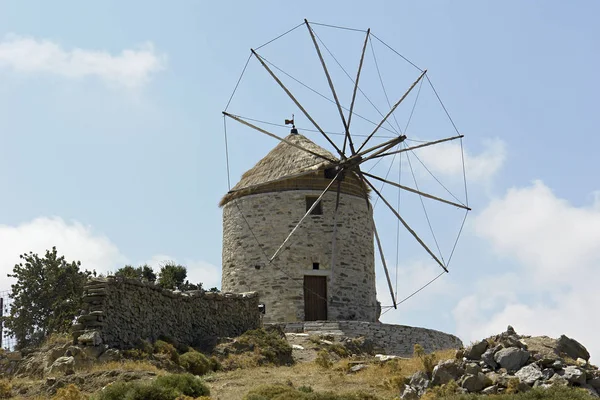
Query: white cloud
(446,159)
(131,68)
(554,292)
(73,240)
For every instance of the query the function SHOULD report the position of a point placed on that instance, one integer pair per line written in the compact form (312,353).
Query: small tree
(171,275)
(46,297)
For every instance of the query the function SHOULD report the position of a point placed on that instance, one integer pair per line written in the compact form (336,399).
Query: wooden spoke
(291,96)
(418,146)
(334,238)
(385,268)
(304,217)
(362,58)
(337,101)
(408,228)
(388,145)
(429,196)
(392,110)
(240,120)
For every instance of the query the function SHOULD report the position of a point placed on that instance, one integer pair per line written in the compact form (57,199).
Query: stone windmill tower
(311,278)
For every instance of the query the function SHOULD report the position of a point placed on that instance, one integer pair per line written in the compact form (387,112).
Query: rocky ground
(504,363)
(511,361)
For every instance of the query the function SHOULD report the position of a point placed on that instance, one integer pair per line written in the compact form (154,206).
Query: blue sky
(111,140)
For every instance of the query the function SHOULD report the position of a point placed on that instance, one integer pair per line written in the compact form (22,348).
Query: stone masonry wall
(389,339)
(271,216)
(119,312)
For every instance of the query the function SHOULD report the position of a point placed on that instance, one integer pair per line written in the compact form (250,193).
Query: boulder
(472,369)
(547,373)
(110,355)
(558,380)
(62,365)
(475,383)
(358,367)
(529,374)
(511,358)
(490,390)
(488,356)
(446,371)
(92,338)
(420,381)
(594,382)
(572,348)
(575,375)
(475,351)
(410,393)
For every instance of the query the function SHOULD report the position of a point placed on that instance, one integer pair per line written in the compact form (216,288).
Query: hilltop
(268,364)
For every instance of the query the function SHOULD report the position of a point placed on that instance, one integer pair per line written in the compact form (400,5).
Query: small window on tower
(315,265)
(310,200)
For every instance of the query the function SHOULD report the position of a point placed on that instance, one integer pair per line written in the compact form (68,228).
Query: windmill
(337,179)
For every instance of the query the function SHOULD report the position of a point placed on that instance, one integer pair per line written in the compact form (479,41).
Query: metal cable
(280,36)
(353,81)
(389,47)
(322,95)
(238,82)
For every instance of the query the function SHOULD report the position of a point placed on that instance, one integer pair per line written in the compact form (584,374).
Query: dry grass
(57,339)
(127,365)
(381,379)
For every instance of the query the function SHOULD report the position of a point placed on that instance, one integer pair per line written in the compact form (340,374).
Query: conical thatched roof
(281,162)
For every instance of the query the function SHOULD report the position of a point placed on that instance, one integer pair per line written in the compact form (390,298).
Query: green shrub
(162,347)
(555,392)
(167,387)
(195,363)
(187,384)
(272,347)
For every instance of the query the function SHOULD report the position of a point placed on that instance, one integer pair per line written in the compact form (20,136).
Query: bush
(168,387)
(427,360)
(258,347)
(195,363)
(323,359)
(70,392)
(5,389)
(187,384)
(162,347)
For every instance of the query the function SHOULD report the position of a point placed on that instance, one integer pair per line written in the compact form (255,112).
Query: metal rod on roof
(392,110)
(312,207)
(291,96)
(337,101)
(362,58)
(276,137)
(408,228)
(418,146)
(417,192)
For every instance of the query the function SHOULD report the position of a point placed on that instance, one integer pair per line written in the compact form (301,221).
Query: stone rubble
(491,365)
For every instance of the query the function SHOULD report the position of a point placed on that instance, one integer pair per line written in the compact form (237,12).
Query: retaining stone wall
(119,312)
(389,339)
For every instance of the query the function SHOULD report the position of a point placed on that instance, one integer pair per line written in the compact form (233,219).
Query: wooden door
(315,298)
